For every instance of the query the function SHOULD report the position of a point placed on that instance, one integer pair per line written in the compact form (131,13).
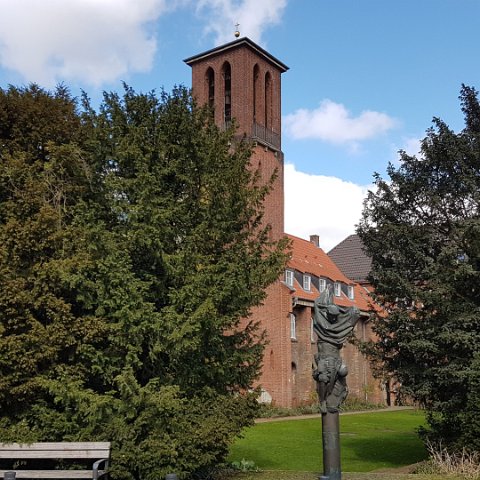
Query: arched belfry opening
(268,100)
(227,89)
(256,91)
(210,79)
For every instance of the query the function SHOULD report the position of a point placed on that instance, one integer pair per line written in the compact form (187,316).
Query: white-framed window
(322,284)
(351,292)
(337,289)
(307,281)
(289,277)
(312,331)
(293,326)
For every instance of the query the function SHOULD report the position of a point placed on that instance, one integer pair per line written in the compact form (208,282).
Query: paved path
(318,415)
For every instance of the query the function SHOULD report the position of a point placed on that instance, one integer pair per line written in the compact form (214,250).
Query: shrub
(441,461)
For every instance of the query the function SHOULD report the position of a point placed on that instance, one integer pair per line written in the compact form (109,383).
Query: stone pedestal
(331,446)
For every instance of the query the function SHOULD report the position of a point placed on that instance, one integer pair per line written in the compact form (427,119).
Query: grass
(369,442)
(281,475)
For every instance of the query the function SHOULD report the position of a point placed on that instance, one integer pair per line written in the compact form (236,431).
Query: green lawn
(279,475)
(369,441)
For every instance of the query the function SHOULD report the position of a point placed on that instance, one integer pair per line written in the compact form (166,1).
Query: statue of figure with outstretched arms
(333,324)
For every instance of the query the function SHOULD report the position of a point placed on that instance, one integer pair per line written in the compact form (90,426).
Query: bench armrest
(96,466)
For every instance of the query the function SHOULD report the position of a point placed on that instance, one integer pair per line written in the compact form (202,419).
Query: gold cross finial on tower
(237,31)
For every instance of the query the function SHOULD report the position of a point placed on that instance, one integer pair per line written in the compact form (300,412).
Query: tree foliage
(422,230)
(132,248)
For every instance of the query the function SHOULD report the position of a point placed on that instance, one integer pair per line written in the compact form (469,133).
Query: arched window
(268,100)
(227,78)
(256,73)
(293,326)
(211,87)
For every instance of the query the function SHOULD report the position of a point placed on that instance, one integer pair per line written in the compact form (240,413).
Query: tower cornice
(244,41)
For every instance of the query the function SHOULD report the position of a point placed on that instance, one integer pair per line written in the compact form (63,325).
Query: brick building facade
(242,81)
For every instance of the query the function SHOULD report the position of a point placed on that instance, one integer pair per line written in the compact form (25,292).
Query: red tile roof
(306,257)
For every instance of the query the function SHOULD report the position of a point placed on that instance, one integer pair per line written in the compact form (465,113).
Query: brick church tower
(241,81)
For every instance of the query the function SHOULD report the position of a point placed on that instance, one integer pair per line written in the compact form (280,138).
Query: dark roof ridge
(350,257)
(346,239)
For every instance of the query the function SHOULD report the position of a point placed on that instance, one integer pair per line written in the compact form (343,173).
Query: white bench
(97,451)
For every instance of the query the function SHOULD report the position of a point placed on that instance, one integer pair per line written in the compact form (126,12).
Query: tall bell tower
(242,81)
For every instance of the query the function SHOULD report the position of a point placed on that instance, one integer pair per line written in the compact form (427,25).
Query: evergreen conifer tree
(132,250)
(422,230)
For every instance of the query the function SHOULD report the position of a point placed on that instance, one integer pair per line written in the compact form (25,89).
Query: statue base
(331,446)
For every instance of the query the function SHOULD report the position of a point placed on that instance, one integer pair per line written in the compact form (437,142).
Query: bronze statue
(333,324)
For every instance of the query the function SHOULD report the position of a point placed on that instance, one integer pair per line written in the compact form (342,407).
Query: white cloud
(317,204)
(93,41)
(333,123)
(254,16)
(412,146)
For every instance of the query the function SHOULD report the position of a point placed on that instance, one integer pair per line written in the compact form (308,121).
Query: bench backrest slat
(79,450)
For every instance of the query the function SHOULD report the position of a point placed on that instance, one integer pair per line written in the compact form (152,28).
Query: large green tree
(422,230)
(132,248)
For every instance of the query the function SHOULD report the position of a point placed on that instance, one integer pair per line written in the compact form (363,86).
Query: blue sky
(366,76)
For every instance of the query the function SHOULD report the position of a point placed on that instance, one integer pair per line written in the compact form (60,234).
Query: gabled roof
(350,258)
(307,258)
(244,41)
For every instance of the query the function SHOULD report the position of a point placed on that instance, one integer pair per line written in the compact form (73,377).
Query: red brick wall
(271,163)
(274,316)
(242,61)
(303,349)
